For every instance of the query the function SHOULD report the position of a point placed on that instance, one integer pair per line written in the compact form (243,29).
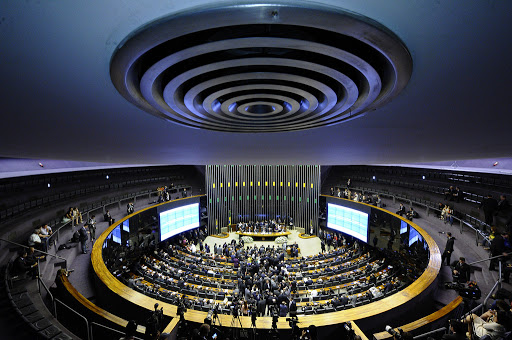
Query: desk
(264,236)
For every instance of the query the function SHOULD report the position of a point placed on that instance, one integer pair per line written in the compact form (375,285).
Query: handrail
(130,196)
(74,311)
(443,312)
(442,329)
(40,251)
(105,327)
(490,258)
(39,282)
(428,207)
(94,308)
(490,294)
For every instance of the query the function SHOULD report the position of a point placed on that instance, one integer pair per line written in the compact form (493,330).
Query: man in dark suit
(489,206)
(261,306)
(448,249)
(461,271)
(497,248)
(283,309)
(401,210)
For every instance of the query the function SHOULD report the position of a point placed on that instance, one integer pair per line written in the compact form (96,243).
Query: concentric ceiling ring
(261,67)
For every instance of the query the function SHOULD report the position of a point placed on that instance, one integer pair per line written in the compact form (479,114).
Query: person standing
(92,227)
(83,237)
(498,247)
(489,206)
(448,249)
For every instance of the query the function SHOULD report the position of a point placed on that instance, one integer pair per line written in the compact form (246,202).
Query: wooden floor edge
(95,309)
(425,320)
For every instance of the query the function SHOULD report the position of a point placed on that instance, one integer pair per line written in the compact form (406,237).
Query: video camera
(292,321)
(395,334)
(182,308)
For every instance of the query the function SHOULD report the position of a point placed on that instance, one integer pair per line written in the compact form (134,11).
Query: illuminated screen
(178,220)
(116,235)
(349,221)
(403,227)
(126,225)
(414,236)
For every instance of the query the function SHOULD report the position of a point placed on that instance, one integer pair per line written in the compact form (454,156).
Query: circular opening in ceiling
(260,108)
(325,71)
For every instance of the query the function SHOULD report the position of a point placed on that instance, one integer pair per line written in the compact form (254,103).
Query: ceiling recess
(261,67)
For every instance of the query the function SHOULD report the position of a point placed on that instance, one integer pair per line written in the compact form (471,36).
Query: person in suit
(283,309)
(489,206)
(497,248)
(461,271)
(401,210)
(83,237)
(261,306)
(108,218)
(448,249)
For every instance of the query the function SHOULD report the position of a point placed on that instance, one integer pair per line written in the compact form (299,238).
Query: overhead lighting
(106,177)
(49,185)
(423,177)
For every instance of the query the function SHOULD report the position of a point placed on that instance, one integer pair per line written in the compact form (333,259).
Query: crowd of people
(271,226)
(264,280)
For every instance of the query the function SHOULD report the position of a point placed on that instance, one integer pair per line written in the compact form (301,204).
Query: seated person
(44,233)
(411,214)
(21,266)
(77,215)
(69,215)
(108,218)
(35,240)
(401,210)
(492,323)
(458,330)
(461,271)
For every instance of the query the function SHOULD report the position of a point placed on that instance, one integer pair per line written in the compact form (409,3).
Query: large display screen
(178,220)
(403,227)
(126,225)
(349,221)
(116,235)
(414,236)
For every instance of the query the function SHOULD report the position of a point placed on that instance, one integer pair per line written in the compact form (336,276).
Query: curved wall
(124,299)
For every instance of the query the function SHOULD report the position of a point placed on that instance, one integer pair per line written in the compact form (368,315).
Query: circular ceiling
(261,67)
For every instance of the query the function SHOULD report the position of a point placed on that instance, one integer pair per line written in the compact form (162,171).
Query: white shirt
(34,239)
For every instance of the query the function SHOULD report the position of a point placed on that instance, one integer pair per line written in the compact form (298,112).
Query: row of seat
(29,313)
(48,200)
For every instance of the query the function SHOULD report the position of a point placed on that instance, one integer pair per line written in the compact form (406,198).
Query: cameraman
(153,323)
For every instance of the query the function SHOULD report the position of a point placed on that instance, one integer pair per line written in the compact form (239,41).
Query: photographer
(458,330)
(153,323)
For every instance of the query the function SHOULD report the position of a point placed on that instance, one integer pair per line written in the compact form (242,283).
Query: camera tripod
(216,317)
(234,326)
